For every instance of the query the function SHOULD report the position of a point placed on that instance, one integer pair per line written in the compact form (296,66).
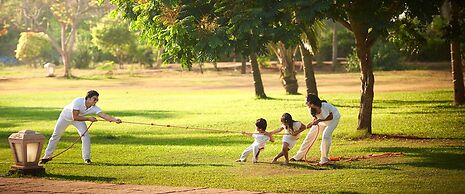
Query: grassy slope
(167,156)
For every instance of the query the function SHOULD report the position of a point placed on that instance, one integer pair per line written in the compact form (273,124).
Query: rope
(184,127)
(75,141)
(141,123)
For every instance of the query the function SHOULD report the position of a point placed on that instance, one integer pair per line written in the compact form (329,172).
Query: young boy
(260,140)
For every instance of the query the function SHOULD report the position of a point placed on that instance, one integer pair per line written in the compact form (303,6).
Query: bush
(109,66)
(82,59)
(34,47)
(353,63)
(264,61)
(384,55)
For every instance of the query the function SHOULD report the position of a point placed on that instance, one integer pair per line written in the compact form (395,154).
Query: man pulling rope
(74,114)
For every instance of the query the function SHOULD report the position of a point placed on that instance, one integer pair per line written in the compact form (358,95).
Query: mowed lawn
(407,103)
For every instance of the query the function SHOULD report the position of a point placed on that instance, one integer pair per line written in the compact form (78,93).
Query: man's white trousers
(60,128)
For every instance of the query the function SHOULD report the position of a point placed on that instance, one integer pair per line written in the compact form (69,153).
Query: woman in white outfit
(74,114)
(325,115)
(291,135)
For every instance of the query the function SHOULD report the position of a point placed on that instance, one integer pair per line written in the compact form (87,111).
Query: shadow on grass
(7,125)
(146,164)
(51,114)
(180,141)
(449,158)
(338,165)
(81,178)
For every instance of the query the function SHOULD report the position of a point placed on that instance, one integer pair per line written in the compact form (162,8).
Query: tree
(286,59)
(113,36)
(367,20)
(204,30)
(308,16)
(308,47)
(420,15)
(61,20)
(33,47)
(454,12)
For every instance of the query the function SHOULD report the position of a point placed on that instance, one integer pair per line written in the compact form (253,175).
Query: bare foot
(274,161)
(286,162)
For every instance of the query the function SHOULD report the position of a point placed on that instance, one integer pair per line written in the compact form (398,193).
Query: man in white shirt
(75,114)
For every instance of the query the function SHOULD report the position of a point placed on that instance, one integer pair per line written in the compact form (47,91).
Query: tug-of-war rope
(353,158)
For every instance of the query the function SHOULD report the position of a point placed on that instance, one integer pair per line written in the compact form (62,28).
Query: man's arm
(108,117)
(76,117)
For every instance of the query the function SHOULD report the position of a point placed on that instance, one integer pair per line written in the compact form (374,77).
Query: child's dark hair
(91,93)
(261,124)
(313,99)
(287,119)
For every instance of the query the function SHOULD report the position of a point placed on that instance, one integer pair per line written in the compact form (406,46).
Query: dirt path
(39,185)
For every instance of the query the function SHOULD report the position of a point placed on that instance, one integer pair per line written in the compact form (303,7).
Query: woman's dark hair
(313,99)
(91,93)
(261,124)
(287,119)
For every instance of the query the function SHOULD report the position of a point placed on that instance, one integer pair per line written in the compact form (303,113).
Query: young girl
(326,115)
(292,130)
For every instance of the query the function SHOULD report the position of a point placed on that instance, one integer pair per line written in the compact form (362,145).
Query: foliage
(384,54)
(82,58)
(8,42)
(345,42)
(33,46)
(113,36)
(143,53)
(108,66)
(353,63)
(264,61)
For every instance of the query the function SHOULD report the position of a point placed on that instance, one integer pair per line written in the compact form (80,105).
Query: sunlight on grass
(149,155)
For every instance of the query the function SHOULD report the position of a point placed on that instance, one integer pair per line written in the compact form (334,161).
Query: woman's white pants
(325,141)
(60,128)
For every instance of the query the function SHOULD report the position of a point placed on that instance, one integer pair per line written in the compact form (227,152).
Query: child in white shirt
(292,132)
(260,140)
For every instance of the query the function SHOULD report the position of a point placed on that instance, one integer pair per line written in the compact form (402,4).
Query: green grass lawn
(139,154)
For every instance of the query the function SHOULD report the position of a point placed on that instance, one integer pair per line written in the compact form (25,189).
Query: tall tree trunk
(64,52)
(309,73)
(244,64)
(334,57)
(201,68)
(288,73)
(457,69)
(215,65)
(367,82)
(457,73)
(159,58)
(257,78)
(67,66)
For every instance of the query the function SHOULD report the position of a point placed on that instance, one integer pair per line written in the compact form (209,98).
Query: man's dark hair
(261,124)
(91,93)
